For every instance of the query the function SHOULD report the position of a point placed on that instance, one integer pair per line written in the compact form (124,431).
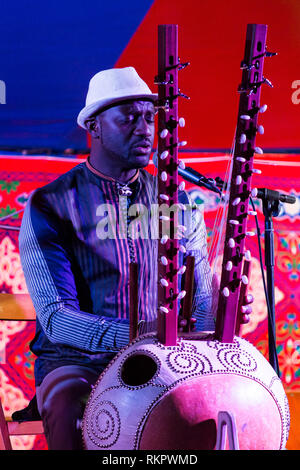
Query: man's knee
(66,398)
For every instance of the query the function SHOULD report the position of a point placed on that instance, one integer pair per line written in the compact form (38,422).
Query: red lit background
(211,38)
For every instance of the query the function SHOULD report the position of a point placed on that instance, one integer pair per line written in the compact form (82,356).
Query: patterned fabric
(19,176)
(77,270)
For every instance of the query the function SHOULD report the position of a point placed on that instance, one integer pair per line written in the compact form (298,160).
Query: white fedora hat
(112,86)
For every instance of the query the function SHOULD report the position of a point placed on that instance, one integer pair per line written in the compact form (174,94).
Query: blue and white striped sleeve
(50,282)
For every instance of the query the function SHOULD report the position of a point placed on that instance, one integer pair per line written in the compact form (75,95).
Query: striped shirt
(77,239)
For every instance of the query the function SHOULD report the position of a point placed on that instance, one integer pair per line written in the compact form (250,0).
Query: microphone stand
(271,204)
(270,210)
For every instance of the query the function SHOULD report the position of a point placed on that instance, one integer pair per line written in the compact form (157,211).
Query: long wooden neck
(167,165)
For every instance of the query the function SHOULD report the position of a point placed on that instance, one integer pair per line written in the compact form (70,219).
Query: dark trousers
(61,400)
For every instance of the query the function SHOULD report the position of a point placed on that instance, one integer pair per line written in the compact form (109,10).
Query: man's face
(127,133)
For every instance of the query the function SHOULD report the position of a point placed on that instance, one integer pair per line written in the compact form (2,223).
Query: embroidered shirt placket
(124,202)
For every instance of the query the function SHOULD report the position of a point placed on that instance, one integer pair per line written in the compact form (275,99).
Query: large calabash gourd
(157,397)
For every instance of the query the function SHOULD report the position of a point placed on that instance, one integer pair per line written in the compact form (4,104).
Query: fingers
(245,319)
(246,309)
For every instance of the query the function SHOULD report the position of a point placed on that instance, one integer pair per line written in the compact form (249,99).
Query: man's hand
(189,325)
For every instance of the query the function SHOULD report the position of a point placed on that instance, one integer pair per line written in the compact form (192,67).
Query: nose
(143,127)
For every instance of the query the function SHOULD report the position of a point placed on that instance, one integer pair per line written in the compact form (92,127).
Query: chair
(16,307)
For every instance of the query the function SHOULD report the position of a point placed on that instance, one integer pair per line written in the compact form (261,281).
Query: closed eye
(133,118)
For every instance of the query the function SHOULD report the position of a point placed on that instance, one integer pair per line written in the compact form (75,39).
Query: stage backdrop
(49,51)
(19,176)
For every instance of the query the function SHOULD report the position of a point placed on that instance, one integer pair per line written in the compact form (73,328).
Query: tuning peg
(163,105)
(164,197)
(225,292)
(164,239)
(236,201)
(181,164)
(238,179)
(261,129)
(263,108)
(182,66)
(245,117)
(267,82)
(181,186)
(164,176)
(164,155)
(234,222)
(164,217)
(182,143)
(163,309)
(245,279)
(252,212)
(158,81)
(182,270)
(248,255)
(229,266)
(231,243)
(241,159)
(181,122)
(246,66)
(182,249)
(250,234)
(258,150)
(257,171)
(164,260)
(254,192)
(243,138)
(245,308)
(181,294)
(270,54)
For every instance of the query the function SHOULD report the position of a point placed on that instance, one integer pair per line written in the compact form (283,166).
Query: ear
(93,127)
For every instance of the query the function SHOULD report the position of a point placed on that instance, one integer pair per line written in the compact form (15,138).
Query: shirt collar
(110,178)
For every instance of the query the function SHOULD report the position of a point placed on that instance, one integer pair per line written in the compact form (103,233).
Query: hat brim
(91,109)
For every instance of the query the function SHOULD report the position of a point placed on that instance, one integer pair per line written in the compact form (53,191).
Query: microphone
(191,175)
